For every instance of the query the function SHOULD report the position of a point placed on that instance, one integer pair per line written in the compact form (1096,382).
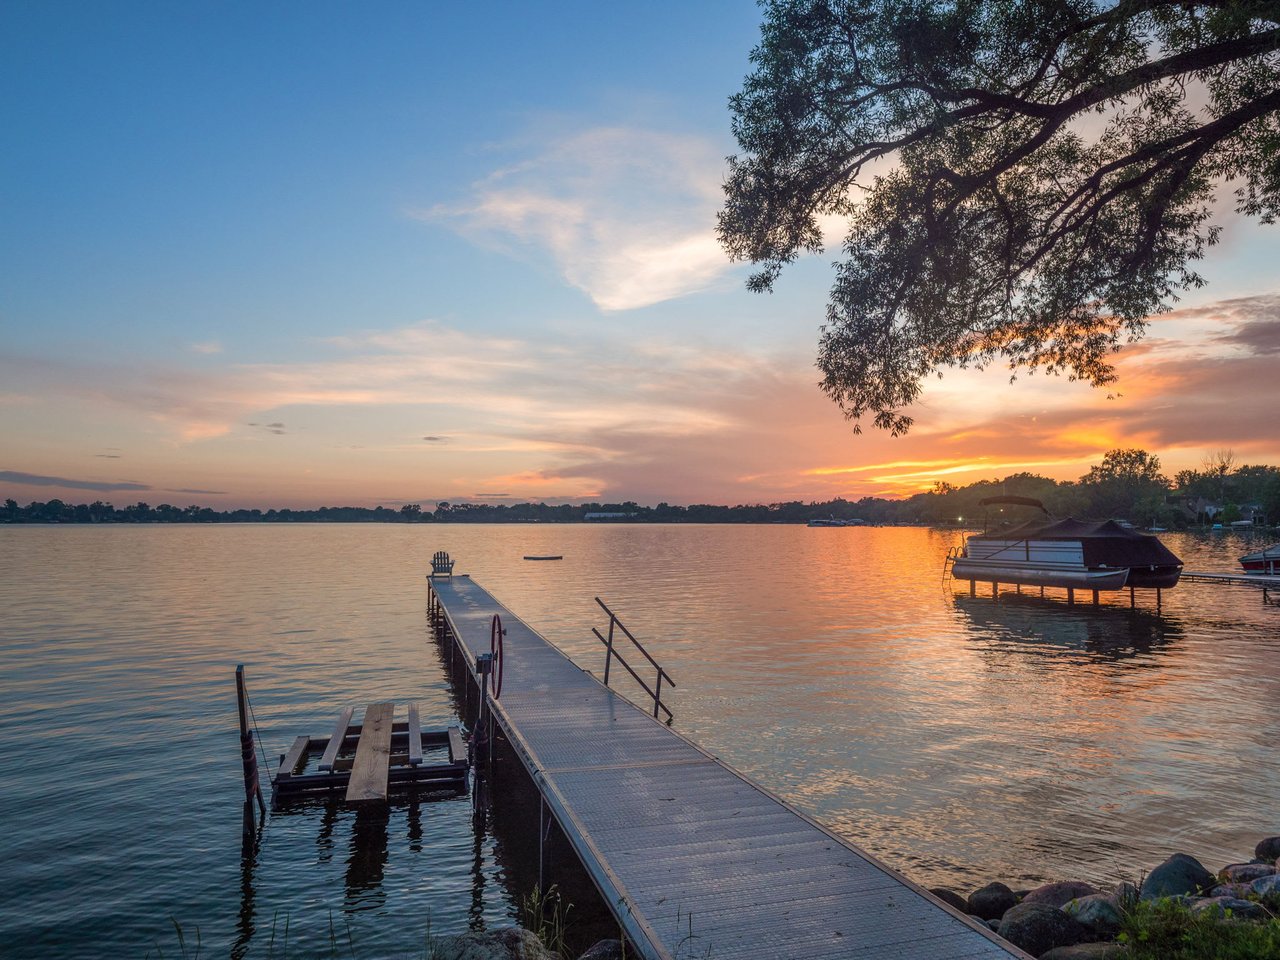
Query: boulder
(605,950)
(1180,875)
(1038,927)
(1264,886)
(504,943)
(950,898)
(1056,894)
(1239,909)
(1099,913)
(1245,872)
(1088,951)
(1268,849)
(991,902)
(1240,891)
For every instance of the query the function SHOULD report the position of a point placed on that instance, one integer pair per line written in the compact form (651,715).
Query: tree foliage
(1023,180)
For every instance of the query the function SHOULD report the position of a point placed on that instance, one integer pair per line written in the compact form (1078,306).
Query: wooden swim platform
(692,858)
(387,756)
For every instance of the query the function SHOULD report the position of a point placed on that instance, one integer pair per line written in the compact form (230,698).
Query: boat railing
(612,653)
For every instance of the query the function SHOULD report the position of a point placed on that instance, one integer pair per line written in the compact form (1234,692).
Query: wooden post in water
(248,756)
(1071,597)
(1095,598)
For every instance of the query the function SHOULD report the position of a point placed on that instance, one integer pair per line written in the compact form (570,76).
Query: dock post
(248,757)
(1131,603)
(973,588)
(995,590)
(1158,592)
(1095,598)
(1071,597)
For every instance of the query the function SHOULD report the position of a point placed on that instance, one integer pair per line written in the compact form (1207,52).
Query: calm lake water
(960,740)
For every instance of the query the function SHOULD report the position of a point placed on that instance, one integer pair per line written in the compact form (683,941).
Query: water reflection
(251,848)
(1049,626)
(368,856)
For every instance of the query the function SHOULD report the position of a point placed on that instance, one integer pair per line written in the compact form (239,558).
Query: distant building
(607,516)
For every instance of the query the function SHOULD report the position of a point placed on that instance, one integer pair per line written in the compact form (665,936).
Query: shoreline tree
(1024,181)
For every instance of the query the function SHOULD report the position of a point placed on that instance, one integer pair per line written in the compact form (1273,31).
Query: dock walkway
(693,859)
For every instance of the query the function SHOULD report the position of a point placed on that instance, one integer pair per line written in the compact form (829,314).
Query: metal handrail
(612,652)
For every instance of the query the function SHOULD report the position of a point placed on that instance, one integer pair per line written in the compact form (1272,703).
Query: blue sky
(297,254)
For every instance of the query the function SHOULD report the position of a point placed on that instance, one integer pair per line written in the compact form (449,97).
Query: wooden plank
(457,749)
(291,759)
(336,738)
(415,736)
(369,774)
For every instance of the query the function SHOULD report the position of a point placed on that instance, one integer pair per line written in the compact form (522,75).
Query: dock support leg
(1131,603)
(973,588)
(1095,598)
(1019,588)
(1071,597)
(248,758)
(995,590)
(1158,593)
(1042,593)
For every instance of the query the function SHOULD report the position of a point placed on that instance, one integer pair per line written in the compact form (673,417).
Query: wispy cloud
(627,215)
(621,415)
(40,480)
(207,347)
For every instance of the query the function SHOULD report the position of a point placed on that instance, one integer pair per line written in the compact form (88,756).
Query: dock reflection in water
(1051,627)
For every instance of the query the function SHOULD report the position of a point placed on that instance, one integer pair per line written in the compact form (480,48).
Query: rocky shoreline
(1066,920)
(1071,920)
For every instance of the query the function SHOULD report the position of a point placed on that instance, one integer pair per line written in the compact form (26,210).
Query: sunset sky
(330,253)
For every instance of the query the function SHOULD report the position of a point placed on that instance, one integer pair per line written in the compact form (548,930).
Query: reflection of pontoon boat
(1262,561)
(1116,632)
(1066,553)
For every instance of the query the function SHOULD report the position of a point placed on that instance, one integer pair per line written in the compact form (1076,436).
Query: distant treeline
(1126,485)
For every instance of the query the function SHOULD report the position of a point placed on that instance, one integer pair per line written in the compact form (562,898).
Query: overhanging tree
(1024,180)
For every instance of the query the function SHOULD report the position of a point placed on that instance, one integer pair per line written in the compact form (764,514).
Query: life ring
(495,655)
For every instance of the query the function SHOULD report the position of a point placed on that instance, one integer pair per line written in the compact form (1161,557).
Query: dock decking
(387,755)
(693,859)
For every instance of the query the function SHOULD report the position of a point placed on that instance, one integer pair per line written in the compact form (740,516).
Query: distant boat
(1066,553)
(830,522)
(556,557)
(1266,560)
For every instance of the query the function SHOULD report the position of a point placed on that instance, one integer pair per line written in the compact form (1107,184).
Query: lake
(959,739)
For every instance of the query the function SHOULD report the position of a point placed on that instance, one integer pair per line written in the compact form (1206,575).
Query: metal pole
(248,755)
(657,695)
(608,656)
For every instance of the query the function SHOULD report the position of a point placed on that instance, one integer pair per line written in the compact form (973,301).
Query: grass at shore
(1169,930)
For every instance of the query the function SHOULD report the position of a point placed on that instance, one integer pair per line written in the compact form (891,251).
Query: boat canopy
(1105,542)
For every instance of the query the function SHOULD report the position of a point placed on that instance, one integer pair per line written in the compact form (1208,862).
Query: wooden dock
(693,859)
(387,755)
(1265,582)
